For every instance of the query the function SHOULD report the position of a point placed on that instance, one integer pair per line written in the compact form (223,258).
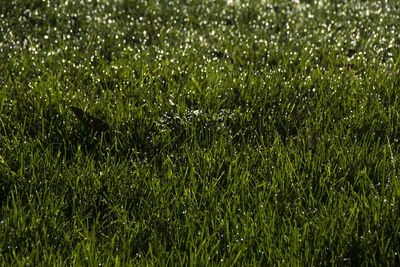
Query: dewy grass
(241,132)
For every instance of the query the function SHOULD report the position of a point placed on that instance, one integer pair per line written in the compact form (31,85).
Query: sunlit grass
(241,132)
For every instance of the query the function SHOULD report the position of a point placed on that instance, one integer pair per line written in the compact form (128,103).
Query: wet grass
(259,132)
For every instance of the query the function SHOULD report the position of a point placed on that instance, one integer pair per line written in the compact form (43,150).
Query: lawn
(240,132)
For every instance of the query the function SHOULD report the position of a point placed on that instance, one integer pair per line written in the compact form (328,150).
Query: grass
(243,132)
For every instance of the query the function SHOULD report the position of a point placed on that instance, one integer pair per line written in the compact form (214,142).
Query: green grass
(243,133)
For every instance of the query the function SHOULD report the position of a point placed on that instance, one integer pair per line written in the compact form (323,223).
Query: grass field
(242,132)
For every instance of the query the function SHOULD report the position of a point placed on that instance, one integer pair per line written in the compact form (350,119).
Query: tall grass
(242,132)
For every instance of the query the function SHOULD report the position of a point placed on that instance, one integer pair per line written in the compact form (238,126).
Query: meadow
(241,132)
